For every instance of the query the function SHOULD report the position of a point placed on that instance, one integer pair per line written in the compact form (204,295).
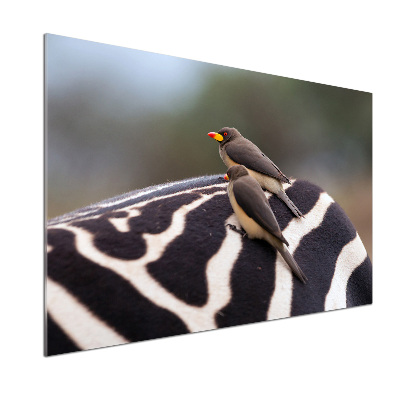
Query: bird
(234,149)
(255,215)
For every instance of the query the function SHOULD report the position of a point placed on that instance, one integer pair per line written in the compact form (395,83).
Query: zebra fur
(164,261)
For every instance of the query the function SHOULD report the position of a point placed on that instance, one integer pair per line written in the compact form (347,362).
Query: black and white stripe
(163,261)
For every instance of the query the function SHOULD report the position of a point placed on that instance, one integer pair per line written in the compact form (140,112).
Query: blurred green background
(120,119)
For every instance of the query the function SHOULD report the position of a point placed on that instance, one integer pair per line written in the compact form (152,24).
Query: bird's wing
(248,154)
(251,198)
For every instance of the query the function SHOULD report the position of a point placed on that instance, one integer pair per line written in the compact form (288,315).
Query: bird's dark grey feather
(251,198)
(244,152)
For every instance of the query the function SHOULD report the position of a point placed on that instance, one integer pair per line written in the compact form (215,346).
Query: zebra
(171,259)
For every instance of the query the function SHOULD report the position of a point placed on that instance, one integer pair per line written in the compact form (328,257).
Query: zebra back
(164,261)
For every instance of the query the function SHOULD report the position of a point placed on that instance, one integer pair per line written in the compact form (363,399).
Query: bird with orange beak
(255,215)
(234,149)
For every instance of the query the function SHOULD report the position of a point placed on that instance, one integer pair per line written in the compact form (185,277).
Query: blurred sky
(132,76)
(120,119)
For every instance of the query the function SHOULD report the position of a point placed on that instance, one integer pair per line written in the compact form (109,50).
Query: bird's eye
(225,133)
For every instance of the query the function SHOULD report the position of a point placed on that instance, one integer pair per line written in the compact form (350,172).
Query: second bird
(235,149)
(255,214)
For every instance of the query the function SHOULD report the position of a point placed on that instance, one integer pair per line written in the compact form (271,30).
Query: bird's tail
(292,263)
(284,197)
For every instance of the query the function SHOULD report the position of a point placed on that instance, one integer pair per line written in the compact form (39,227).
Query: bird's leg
(236,229)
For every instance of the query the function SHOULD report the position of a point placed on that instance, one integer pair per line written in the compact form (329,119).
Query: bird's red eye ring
(225,133)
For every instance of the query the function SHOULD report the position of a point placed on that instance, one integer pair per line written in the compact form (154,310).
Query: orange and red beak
(216,136)
(226,177)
